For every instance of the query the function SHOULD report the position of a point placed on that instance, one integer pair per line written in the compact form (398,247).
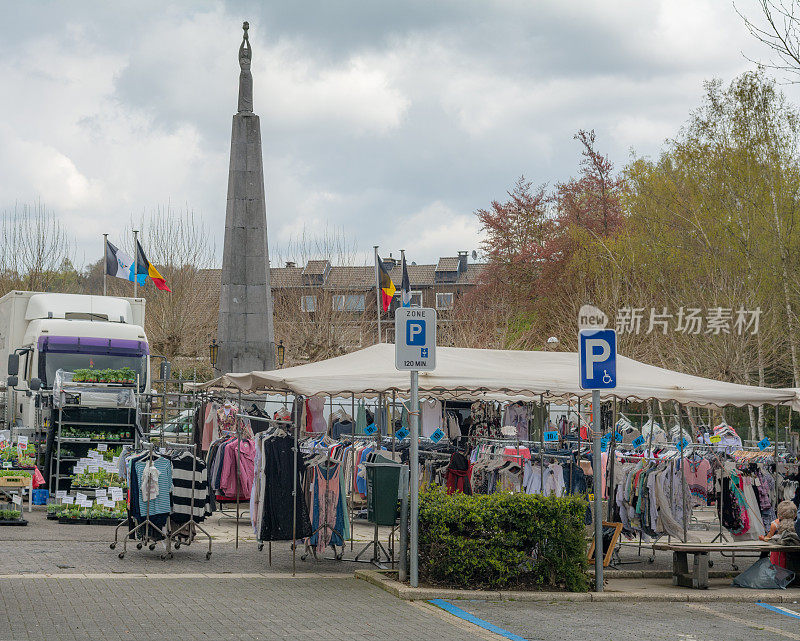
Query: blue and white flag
(121,265)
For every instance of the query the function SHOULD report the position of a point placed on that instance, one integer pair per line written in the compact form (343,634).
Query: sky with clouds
(390,121)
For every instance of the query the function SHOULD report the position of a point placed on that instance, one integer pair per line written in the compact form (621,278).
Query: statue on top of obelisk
(245,76)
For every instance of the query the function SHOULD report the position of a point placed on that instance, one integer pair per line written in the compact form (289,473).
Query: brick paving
(63,582)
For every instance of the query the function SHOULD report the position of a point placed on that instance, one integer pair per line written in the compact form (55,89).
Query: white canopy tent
(463,373)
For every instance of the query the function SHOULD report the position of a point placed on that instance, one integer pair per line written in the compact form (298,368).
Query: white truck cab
(41,333)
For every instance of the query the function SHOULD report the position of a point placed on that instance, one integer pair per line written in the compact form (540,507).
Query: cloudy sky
(390,121)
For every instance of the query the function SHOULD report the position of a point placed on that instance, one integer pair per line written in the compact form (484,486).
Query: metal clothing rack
(149,526)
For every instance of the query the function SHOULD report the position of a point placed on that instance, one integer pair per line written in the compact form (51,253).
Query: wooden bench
(698,578)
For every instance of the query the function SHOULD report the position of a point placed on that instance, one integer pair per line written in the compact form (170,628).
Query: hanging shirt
(431,410)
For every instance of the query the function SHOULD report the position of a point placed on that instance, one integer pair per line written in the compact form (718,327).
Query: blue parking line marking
(779,610)
(463,614)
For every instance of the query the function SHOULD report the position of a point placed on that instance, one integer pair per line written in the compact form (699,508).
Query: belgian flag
(387,286)
(146,267)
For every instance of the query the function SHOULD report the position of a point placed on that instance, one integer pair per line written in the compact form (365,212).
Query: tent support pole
(775,479)
(541,442)
(352,474)
(296,416)
(683,475)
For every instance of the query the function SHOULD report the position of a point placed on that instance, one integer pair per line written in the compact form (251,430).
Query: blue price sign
(437,436)
(762,445)
(618,437)
(549,437)
(638,441)
(401,434)
(683,444)
(371,428)
(605,438)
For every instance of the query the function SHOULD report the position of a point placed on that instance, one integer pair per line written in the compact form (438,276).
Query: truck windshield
(50,362)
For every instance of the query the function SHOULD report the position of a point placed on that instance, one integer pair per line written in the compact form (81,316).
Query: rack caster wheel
(303,557)
(138,546)
(338,557)
(113,545)
(177,545)
(121,555)
(260,547)
(710,563)
(208,555)
(736,568)
(651,560)
(152,546)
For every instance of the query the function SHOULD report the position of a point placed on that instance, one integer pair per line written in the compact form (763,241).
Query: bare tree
(779,29)
(179,245)
(35,250)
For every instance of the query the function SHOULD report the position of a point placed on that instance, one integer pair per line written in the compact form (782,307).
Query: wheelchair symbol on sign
(606,377)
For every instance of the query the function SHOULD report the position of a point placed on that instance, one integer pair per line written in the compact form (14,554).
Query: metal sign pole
(414,470)
(598,493)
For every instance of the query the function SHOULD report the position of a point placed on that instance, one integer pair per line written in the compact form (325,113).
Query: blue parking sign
(598,358)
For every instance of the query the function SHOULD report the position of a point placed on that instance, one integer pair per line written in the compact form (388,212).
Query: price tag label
(638,441)
(438,435)
(22,441)
(116,494)
(17,499)
(683,444)
(80,497)
(764,444)
(93,468)
(7,465)
(68,500)
(715,439)
(100,493)
(371,428)
(401,434)
(549,437)
(617,437)
(102,447)
(60,494)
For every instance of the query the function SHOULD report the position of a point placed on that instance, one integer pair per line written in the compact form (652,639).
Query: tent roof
(499,375)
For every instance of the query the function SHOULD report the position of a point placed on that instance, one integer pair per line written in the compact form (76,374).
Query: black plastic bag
(762,575)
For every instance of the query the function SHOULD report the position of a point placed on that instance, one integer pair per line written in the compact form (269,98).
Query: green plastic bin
(383,482)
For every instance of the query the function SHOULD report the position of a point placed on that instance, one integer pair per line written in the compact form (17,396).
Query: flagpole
(105,262)
(378,292)
(135,260)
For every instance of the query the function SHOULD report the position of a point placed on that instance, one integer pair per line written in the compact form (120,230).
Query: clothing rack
(147,524)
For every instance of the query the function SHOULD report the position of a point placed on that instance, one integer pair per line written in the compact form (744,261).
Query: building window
(444,300)
(416,298)
(348,302)
(308,303)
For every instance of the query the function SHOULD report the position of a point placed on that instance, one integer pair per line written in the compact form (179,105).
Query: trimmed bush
(502,540)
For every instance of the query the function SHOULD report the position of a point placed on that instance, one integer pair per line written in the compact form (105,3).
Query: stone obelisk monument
(245,332)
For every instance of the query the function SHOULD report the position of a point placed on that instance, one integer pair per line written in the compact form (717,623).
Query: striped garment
(182,489)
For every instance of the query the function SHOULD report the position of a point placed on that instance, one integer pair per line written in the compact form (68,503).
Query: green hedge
(502,541)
